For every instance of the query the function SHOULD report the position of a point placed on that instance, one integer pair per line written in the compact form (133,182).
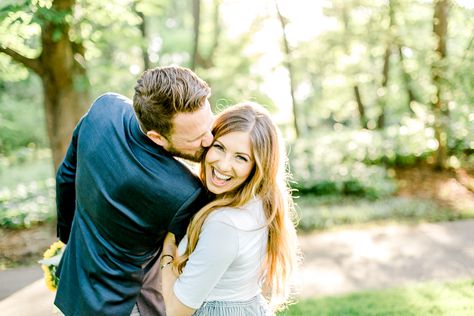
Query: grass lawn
(436,299)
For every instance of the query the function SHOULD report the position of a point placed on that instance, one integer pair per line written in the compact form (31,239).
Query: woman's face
(228,162)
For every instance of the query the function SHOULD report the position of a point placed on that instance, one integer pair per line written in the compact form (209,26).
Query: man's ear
(157,138)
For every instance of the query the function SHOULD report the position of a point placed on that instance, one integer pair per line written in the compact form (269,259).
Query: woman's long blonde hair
(268,181)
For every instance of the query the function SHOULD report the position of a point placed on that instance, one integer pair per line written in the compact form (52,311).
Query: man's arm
(180,221)
(66,188)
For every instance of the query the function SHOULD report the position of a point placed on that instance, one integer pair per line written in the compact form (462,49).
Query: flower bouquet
(50,262)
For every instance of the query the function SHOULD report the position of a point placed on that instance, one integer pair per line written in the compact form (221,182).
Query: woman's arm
(215,250)
(173,305)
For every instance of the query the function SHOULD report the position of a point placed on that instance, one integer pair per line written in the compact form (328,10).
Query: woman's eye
(242,158)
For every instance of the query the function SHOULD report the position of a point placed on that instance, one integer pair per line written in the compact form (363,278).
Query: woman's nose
(224,163)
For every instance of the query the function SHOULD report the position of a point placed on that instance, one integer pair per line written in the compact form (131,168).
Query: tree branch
(30,63)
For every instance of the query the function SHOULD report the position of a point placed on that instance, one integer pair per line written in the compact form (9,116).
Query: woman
(240,249)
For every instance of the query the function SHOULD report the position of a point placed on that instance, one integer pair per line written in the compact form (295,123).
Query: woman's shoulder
(247,216)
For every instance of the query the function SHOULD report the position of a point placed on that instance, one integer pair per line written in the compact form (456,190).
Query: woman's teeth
(220,176)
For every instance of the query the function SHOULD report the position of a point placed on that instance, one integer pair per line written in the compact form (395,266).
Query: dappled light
(374,99)
(386,256)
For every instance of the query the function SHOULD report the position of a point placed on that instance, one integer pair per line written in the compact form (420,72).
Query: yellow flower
(50,269)
(53,249)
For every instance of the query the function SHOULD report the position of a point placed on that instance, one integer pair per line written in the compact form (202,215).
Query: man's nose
(207,140)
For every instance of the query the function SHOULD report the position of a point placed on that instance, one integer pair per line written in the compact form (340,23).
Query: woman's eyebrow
(220,143)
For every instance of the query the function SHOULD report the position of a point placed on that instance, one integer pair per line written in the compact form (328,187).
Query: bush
(22,116)
(355,162)
(27,204)
(325,170)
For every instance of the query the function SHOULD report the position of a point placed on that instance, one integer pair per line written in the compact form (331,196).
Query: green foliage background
(334,155)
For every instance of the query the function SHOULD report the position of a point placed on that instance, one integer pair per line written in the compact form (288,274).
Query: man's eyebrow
(200,136)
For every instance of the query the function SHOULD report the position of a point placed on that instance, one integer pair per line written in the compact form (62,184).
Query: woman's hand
(169,253)
(169,275)
(169,245)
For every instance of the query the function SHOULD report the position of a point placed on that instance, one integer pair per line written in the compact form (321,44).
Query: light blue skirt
(256,306)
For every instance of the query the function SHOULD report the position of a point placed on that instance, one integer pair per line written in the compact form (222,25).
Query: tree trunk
(407,80)
(199,60)
(209,61)
(383,97)
(289,67)
(355,86)
(440,109)
(65,85)
(386,67)
(144,32)
(360,107)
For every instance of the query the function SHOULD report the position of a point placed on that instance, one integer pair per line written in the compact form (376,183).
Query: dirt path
(387,256)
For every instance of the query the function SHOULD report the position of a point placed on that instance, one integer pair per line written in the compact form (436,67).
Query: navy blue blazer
(118,193)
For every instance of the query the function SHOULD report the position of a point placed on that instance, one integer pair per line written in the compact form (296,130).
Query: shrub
(355,162)
(27,204)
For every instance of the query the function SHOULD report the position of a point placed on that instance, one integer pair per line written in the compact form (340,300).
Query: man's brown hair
(163,92)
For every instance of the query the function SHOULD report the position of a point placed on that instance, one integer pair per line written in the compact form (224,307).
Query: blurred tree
(407,81)
(345,17)
(145,10)
(142,26)
(199,58)
(367,64)
(440,108)
(197,24)
(59,63)
(58,44)
(288,62)
(224,61)
(232,78)
(382,91)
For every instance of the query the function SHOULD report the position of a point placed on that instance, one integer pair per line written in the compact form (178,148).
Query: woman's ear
(157,138)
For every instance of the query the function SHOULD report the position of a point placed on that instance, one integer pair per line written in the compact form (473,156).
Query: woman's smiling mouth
(219,178)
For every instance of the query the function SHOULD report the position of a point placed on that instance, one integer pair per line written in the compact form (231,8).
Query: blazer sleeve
(66,188)
(180,221)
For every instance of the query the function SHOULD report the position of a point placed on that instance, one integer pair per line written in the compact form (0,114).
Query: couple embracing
(145,235)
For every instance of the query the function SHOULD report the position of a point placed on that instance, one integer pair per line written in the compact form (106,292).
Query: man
(119,190)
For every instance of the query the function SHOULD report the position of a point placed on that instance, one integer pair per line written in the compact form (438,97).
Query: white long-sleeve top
(226,264)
